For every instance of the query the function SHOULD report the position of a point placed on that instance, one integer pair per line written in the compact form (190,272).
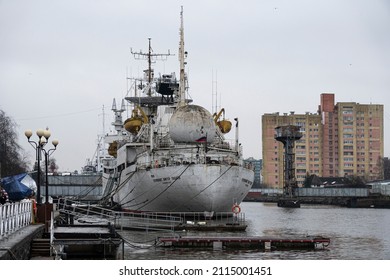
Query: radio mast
(151,58)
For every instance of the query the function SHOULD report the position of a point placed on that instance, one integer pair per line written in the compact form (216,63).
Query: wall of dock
(17,246)
(382,188)
(332,192)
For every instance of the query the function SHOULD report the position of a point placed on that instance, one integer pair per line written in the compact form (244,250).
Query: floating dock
(211,227)
(265,243)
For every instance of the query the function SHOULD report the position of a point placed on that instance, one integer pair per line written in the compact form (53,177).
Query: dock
(262,243)
(213,227)
(80,232)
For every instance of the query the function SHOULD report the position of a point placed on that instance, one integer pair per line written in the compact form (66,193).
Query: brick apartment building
(343,139)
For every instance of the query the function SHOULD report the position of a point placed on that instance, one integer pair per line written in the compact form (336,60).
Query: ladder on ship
(88,213)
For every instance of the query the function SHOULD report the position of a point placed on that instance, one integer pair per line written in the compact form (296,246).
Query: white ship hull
(185,188)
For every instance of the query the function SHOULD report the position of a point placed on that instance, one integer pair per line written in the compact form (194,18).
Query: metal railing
(120,220)
(14,216)
(153,221)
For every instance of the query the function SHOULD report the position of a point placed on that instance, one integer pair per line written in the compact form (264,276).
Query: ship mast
(151,58)
(182,56)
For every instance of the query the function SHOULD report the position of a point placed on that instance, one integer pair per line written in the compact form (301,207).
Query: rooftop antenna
(151,58)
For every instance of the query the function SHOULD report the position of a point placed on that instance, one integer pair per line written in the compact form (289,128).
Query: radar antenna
(151,58)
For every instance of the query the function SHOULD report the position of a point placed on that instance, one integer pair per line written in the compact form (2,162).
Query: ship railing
(14,216)
(165,162)
(226,145)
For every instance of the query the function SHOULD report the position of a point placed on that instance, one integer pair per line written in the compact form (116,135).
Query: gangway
(88,213)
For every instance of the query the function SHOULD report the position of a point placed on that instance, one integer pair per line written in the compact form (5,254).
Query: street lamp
(43,137)
(37,145)
(47,154)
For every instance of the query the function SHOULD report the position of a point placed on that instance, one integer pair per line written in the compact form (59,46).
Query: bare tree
(12,160)
(53,167)
(379,168)
(386,168)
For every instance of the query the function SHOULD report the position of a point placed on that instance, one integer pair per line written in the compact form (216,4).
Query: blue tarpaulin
(18,187)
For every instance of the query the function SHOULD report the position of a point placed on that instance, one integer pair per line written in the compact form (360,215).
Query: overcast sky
(62,61)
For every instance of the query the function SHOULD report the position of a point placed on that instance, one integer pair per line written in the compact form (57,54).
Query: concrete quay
(80,242)
(17,245)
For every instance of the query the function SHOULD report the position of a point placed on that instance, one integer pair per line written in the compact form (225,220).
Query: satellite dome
(190,124)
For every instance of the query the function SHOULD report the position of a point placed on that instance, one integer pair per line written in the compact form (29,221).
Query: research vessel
(171,155)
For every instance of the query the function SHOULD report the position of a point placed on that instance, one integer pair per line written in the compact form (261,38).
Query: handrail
(148,221)
(145,220)
(14,216)
(52,234)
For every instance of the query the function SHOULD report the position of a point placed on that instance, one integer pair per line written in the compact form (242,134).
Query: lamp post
(37,145)
(47,154)
(43,137)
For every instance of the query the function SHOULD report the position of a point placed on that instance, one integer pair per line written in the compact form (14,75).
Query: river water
(355,234)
